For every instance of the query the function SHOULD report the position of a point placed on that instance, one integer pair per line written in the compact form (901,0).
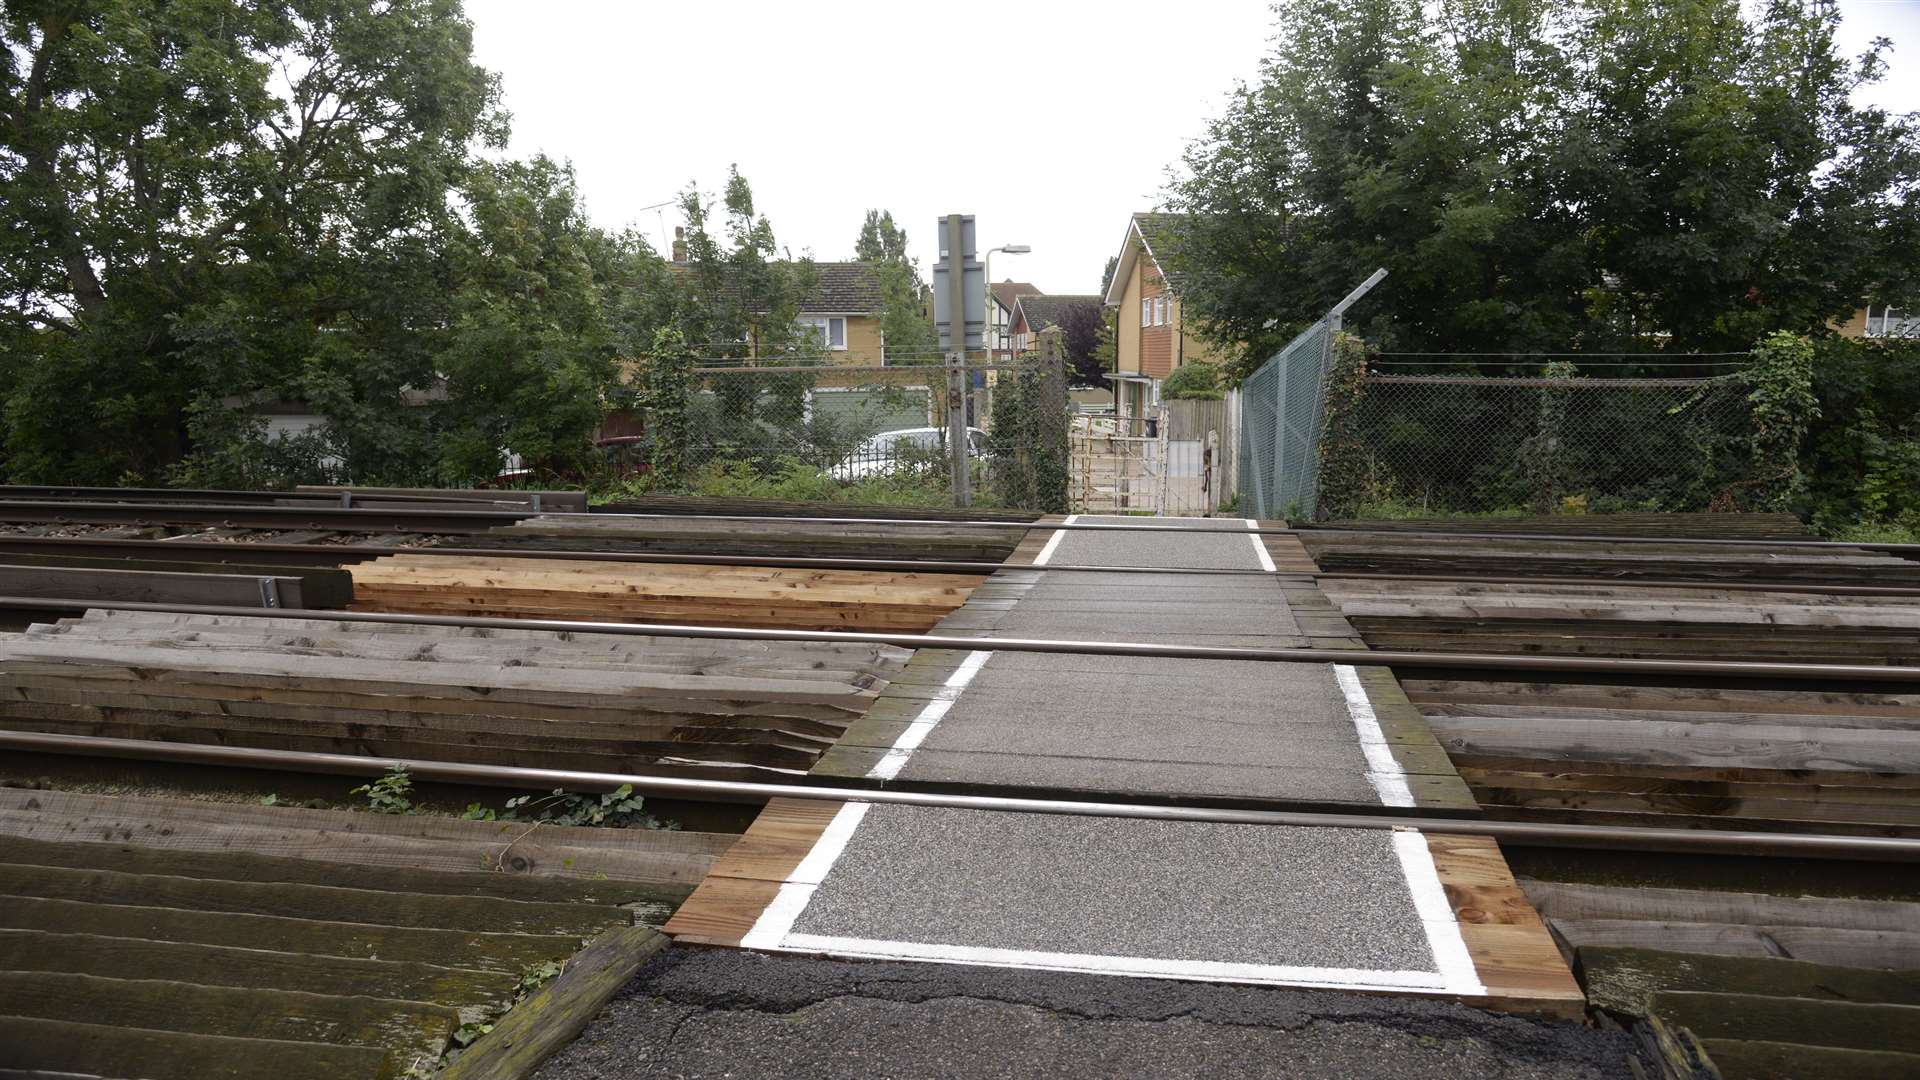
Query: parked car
(907,450)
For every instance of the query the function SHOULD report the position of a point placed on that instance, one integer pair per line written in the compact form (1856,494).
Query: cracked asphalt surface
(728,1013)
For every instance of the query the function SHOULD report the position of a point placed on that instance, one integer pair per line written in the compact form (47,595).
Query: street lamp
(1011,249)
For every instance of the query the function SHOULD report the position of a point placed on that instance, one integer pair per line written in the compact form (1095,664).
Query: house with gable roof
(1151,341)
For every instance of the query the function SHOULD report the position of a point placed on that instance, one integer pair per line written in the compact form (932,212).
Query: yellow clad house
(1151,341)
(843,307)
(1880,321)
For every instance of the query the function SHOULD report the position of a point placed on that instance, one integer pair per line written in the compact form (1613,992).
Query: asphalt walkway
(1339,908)
(744,1016)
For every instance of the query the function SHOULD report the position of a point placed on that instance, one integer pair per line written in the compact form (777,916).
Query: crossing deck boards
(561,700)
(1220,730)
(1512,956)
(909,884)
(665,592)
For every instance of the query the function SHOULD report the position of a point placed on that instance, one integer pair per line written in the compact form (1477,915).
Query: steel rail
(336,554)
(1733,669)
(235,497)
(270,517)
(1604,580)
(118,512)
(1530,834)
(1605,539)
(339,554)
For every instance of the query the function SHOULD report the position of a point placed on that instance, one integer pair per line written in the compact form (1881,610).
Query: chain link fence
(843,433)
(1447,444)
(1281,408)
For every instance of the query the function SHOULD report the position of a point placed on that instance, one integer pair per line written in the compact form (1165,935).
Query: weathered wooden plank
(303,901)
(484,951)
(1760,1059)
(472,993)
(1711,745)
(105,1050)
(550,1018)
(1815,944)
(1804,1021)
(1622,980)
(1574,900)
(672,861)
(150,586)
(415,1033)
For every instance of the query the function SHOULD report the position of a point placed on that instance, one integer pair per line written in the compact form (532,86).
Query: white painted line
(1135,966)
(1054,541)
(1383,772)
(922,725)
(777,919)
(1260,547)
(1436,915)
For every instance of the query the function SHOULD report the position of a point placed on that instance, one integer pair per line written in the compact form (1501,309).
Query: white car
(906,450)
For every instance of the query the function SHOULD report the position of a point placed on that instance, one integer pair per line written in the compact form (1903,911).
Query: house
(1037,311)
(1152,341)
(1880,321)
(843,307)
(1001,298)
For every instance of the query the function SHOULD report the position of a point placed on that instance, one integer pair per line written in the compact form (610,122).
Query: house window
(1146,312)
(830,332)
(1888,321)
(1160,306)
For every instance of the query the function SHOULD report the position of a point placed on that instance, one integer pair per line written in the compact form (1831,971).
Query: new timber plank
(630,592)
(731,899)
(1515,956)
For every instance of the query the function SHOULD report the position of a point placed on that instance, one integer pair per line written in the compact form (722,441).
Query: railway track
(1699,764)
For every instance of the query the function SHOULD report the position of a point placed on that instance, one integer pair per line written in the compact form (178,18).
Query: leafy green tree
(904,326)
(218,203)
(528,353)
(881,241)
(1544,176)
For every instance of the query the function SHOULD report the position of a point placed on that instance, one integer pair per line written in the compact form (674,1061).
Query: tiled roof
(839,288)
(1162,234)
(1044,310)
(845,288)
(1008,291)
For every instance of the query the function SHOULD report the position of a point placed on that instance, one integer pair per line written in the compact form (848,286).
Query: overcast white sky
(1059,120)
